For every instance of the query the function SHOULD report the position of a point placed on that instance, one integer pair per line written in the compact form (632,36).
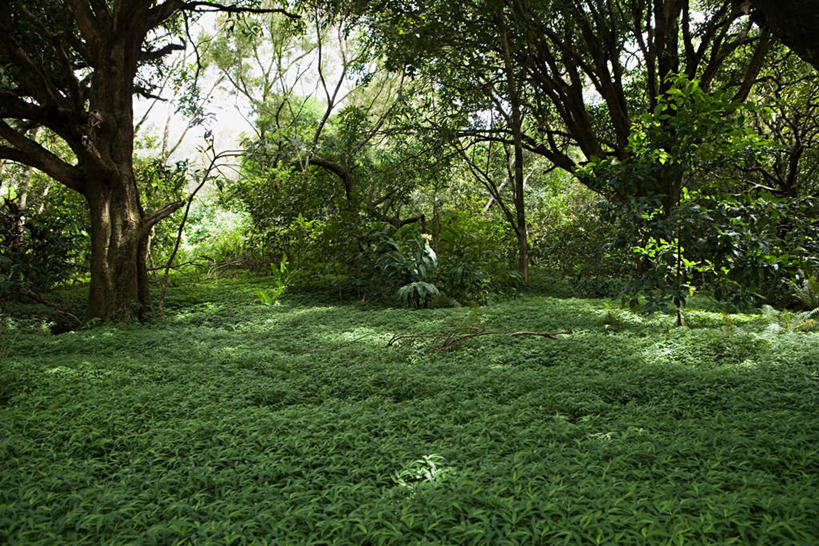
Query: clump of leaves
(427,469)
(613,319)
(283,278)
(414,268)
(418,294)
(790,321)
(806,290)
(37,250)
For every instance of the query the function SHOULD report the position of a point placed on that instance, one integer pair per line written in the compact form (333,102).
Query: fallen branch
(54,305)
(442,343)
(450,342)
(179,266)
(550,335)
(224,265)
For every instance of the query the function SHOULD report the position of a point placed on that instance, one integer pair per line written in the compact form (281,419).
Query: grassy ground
(232,422)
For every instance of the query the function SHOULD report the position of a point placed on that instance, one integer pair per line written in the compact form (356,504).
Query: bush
(38,250)
(466,269)
(474,258)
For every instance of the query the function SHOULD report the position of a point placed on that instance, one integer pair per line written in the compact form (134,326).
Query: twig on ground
(219,267)
(442,343)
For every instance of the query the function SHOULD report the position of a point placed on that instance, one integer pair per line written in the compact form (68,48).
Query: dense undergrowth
(230,421)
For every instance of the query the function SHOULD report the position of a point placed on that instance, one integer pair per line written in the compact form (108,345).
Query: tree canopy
(370,124)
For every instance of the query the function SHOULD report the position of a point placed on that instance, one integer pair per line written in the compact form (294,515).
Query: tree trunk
(119,246)
(795,22)
(520,205)
(518,180)
(523,255)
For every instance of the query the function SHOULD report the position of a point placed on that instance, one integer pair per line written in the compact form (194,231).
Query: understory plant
(793,321)
(414,268)
(283,277)
(37,250)
(806,289)
(473,266)
(678,153)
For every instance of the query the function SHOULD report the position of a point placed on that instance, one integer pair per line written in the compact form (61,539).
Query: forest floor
(230,421)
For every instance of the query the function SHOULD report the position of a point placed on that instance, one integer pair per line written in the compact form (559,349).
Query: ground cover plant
(234,421)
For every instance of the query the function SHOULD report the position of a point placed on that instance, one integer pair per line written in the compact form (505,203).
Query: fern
(807,291)
(803,321)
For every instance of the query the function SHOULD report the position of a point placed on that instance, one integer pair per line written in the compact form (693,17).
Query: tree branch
(161,52)
(25,151)
(205,7)
(150,220)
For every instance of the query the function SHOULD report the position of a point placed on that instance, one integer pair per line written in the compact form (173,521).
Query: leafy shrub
(418,294)
(414,269)
(418,263)
(802,321)
(806,290)
(474,260)
(570,233)
(43,250)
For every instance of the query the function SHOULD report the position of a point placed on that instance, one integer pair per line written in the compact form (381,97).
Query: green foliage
(427,470)
(416,263)
(283,277)
(568,232)
(38,250)
(802,321)
(471,265)
(674,213)
(758,244)
(475,257)
(160,184)
(418,294)
(414,268)
(215,235)
(232,421)
(806,290)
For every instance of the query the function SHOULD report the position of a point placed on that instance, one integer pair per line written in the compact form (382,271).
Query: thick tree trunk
(119,276)
(795,22)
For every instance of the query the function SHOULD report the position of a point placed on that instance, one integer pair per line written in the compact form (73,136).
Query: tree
(328,120)
(467,50)
(787,114)
(596,67)
(694,137)
(73,67)
(571,76)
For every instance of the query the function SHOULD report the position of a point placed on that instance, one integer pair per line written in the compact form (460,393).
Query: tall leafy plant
(675,155)
(414,268)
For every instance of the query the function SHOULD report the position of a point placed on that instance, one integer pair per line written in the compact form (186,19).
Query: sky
(228,121)
(230,113)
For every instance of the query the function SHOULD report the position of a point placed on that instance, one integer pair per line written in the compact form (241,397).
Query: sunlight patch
(427,469)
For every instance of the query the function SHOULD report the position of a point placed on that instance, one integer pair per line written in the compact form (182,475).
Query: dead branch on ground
(441,343)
